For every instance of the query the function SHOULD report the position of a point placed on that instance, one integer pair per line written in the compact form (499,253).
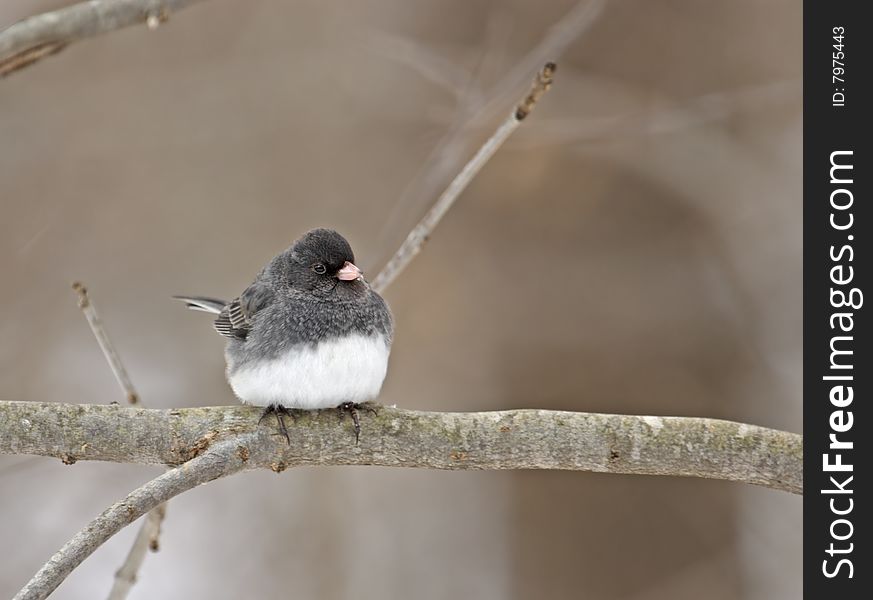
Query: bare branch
(112,356)
(146,539)
(36,37)
(208,443)
(421,232)
(474,110)
(220,460)
(552,46)
(516,439)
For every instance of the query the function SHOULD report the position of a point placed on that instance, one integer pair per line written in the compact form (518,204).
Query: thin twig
(105,343)
(442,161)
(559,37)
(146,539)
(421,232)
(29,56)
(27,41)
(220,460)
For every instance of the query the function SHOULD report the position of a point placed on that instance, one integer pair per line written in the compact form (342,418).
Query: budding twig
(421,232)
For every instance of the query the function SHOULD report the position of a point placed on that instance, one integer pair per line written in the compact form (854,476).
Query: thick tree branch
(36,37)
(518,439)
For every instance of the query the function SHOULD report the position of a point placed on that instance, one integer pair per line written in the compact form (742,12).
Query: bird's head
(321,261)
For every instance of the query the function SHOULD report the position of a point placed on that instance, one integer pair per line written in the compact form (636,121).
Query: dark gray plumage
(309,332)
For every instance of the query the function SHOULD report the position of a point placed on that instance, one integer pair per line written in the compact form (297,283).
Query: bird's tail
(210,305)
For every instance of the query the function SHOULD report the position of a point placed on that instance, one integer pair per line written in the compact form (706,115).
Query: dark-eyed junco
(309,333)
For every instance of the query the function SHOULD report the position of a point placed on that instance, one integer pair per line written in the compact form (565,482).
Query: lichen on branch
(515,439)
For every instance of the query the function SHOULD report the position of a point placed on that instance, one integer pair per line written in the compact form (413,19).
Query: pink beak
(349,272)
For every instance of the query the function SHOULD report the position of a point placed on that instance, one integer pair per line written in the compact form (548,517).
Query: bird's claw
(352,409)
(280,412)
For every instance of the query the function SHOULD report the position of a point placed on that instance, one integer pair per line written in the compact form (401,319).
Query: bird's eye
(319,268)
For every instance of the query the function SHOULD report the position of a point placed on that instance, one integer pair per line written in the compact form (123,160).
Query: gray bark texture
(204,444)
(218,461)
(31,39)
(516,439)
(146,539)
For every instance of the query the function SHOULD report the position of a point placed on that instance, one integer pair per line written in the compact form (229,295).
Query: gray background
(635,249)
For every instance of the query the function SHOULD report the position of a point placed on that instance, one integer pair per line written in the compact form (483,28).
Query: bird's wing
(235,319)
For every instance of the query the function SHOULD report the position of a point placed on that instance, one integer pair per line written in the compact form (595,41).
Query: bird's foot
(280,412)
(352,408)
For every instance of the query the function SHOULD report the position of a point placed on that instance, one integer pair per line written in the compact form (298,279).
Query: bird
(309,333)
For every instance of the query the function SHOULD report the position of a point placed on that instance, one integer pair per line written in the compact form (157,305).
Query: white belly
(349,369)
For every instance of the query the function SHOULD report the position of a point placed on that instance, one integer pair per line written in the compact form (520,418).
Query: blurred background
(634,248)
